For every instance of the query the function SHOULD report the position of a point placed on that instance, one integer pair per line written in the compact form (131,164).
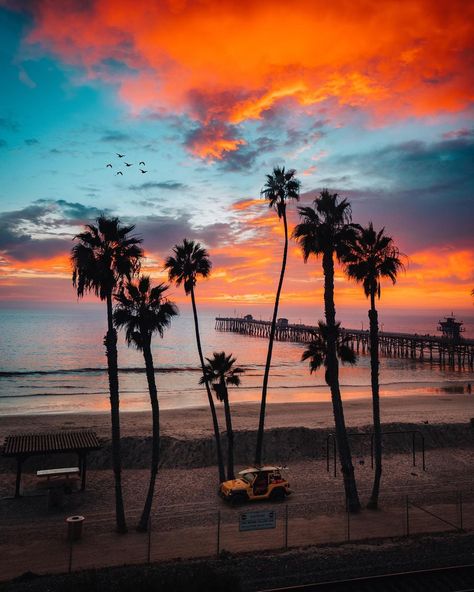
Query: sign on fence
(257,520)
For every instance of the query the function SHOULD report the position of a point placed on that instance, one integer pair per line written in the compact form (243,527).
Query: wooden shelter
(23,446)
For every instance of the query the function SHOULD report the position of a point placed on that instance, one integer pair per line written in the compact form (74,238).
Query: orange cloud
(230,61)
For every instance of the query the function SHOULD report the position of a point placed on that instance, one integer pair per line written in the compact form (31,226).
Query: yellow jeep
(256,483)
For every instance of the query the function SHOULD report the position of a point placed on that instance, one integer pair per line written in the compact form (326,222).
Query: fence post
(348,522)
(460,511)
(413,448)
(218,532)
(335,453)
(286,526)
(407,517)
(327,454)
(70,555)
(149,541)
(372,451)
(423,451)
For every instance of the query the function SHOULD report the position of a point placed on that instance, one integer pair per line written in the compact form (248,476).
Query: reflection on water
(65,348)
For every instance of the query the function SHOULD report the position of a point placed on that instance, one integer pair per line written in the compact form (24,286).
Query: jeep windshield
(249,477)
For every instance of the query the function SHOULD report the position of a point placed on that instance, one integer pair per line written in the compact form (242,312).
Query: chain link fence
(191,533)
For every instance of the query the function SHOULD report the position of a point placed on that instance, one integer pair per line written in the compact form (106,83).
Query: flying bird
(141,162)
(120,155)
(109,165)
(128,163)
(142,171)
(119,173)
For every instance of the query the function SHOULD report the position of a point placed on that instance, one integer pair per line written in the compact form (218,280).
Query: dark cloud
(23,231)
(301,137)
(9,124)
(160,232)
(429,169)
(72,211)
(207,140)
(115,136)
(31,141)
(422,193)
(335,181)
(168,185)
(244,159)
(459,133)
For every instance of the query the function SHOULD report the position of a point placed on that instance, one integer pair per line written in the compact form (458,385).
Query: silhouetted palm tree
(104,257)
(220,372)
(373,257)
(144,310)
(190,261)
(327,230)
(281,186)
(317,350)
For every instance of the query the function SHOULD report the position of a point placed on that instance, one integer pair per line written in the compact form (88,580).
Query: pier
(429,348)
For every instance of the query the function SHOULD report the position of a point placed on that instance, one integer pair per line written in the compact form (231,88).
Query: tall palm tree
(104,256)
(188,262)
(373,257)
(220,372)
(280,187)
(144,310)
(326,230)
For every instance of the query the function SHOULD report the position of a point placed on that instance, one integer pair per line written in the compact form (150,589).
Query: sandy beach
(195,423)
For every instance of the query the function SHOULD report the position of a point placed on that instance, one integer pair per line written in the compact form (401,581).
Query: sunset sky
(373,100)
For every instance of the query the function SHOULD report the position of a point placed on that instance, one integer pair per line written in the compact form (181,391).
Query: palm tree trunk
(332,379)
(374,375)
(230,434)
(263,404)
(215,423)
(155,454)
(110,343)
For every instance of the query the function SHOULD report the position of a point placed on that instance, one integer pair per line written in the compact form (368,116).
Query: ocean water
(53,361)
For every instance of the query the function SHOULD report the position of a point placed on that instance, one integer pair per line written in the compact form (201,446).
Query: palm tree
(327,230)
(280,187)
(144,310)
(373,257)
(189,262)
(104,257)
(317,349)
(220,373)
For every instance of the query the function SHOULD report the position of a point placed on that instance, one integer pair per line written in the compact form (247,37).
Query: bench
(58,482)
(63,472)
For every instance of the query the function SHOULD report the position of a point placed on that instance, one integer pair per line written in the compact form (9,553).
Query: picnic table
(23,446)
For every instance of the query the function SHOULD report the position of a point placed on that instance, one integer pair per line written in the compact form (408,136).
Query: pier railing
(402,345)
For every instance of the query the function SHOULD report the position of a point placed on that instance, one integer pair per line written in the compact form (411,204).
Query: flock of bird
(127,164)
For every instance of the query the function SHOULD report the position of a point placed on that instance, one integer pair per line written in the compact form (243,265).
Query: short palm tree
(373,257)
(106,255)
(281,187)
(220,372)
(188,262)
(143,311)
(317,350)
(326,230)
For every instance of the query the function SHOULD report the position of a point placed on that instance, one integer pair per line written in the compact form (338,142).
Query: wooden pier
(430,348)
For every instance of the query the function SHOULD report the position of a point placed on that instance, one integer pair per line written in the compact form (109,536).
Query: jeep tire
(238,499)
(277,495)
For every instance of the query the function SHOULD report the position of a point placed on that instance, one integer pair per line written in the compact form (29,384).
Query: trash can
(74,527)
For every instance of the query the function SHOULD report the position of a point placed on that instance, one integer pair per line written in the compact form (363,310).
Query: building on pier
(451,329)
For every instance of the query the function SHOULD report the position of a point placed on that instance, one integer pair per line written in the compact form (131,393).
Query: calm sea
(53,361)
